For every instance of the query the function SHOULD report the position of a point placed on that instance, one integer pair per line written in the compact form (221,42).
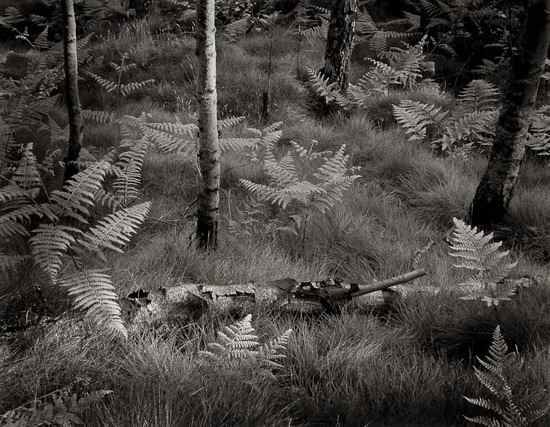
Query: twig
(384,284)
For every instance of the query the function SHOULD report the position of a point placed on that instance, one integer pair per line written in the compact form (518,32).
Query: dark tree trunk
(494,193)
(209,151)
(72,98)
(341,31)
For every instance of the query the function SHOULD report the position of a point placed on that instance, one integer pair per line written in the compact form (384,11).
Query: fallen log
(190,300)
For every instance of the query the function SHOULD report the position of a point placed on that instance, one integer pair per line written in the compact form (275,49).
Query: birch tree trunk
(72,98)
(340,36)
(495,191)
(209,152)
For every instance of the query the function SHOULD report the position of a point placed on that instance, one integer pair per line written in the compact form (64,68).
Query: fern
(123,89)
(473,128)
(61,232)
(271,353)
(236,341)
(115,230)
(100,117)
(330,92)
(506,412)
(77,196)
(490,265)
(416,117)
(287,186)
(27,176)
(93,292)
(479,95)
(239,343)
(49,244)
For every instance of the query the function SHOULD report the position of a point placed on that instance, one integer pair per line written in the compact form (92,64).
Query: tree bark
(340,36)
(495,191)
(72,98)
(209,152)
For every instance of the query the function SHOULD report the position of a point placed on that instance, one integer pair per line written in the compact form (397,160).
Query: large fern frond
(93,292)
(490,265)
(78,194)
(115,231)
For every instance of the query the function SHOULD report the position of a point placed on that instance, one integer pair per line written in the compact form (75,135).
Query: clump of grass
(443,324)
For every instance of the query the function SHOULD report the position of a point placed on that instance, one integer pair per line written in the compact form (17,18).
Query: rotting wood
(191,300)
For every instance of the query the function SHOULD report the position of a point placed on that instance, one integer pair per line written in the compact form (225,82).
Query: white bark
(209,152)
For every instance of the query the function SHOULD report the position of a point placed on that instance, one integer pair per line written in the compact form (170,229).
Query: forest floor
(410,367)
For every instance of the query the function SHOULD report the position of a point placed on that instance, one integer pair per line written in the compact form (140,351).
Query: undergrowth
(389,211)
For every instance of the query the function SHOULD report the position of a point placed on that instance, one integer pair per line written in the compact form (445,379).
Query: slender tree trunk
(209,152)
(494,193)
(71,87)
(341,31)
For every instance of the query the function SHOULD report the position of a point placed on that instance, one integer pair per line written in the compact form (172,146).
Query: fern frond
(127,89)
(109,200)
(11,229)
(415,117)
(271,353)
(189,130)
(236,342)
(491,375)
(26,212)
(476,252)
(100,117)
(106,84)
(230,122)
(78,194)
(126,185)
(93,292)
(479,95)
(173,137)
(12,192)
(49,244)
(330,92)
(238,144)
(115,231)
(474,128)
(300,191)
(27,175)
